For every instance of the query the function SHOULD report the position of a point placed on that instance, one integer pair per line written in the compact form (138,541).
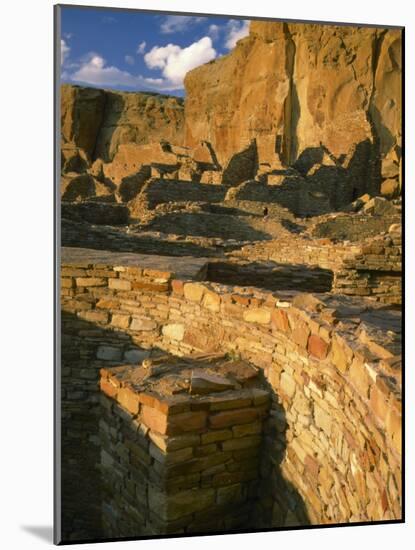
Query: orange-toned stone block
(233,417)
(300,333)
(317,347)
(279,320)
(150,285)
(341,354)
(128,399)
(186,422)
(360,377)
(107,387)
(379,403)
(154,419)
(177,287)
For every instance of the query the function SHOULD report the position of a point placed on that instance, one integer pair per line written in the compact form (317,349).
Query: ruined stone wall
(333,436)
(178,464)
(372,268)
(164,191)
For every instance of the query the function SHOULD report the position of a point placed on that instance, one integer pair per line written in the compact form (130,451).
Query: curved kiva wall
(334,431)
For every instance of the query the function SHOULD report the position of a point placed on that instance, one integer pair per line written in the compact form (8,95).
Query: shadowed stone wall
(333,434)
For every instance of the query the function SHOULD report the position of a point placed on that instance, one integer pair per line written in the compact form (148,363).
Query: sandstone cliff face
(296,87)
(98,121)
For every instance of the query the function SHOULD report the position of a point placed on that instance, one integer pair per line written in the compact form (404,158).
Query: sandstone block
(108,387)
(184,503)
(173,331)
(186,422)
(128,399)
(215,436)
(67,282)
(243,430)
(341,354)
(119,284)
(257,315)
(241,443)
(300,333)
(360,377)
(90,281)
(211,301)
(287,384)
(142,324)
(172,457)
(233,417)
(279,320)
(174,443)
(154,419)
(109,353)
(120,321)
(204,383)
(177,287)
(193,291)
(322,419)
(317,346)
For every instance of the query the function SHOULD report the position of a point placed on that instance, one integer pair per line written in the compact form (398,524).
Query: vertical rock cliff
(303,91)
(98,121)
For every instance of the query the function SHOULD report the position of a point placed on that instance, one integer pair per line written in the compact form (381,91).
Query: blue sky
(128,50)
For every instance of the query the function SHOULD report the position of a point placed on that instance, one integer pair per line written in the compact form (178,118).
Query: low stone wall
(332,440)
(372,268)
(177,463)
(165,191)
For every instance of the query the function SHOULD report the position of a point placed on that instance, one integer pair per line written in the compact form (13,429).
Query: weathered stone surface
(142,324)
(109,353)
(193,291)
(119,284)
(203,383)
(390,188)
(181,504)
(317,346)
(287,384)
(260,315)
(174,331)
(327,84)
(232,418)
(120,321)
(99,121)
(129,400)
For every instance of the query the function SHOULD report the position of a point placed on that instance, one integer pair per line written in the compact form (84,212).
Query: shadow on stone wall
(202,224)
(280,505)
(270,276)
(87,347)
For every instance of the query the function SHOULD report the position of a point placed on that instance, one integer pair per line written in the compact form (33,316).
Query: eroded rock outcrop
(98,121)
(298,86)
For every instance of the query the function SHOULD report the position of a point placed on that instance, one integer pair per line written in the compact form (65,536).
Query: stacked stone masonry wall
(333,433)
(370,269)
(174,466)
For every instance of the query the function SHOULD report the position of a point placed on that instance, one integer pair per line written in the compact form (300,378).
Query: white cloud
(172,61)
(213,31)
(65,49)
(178,23)
(129,59)
(235,31)
(95,71)
(142,47)
(175,61)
